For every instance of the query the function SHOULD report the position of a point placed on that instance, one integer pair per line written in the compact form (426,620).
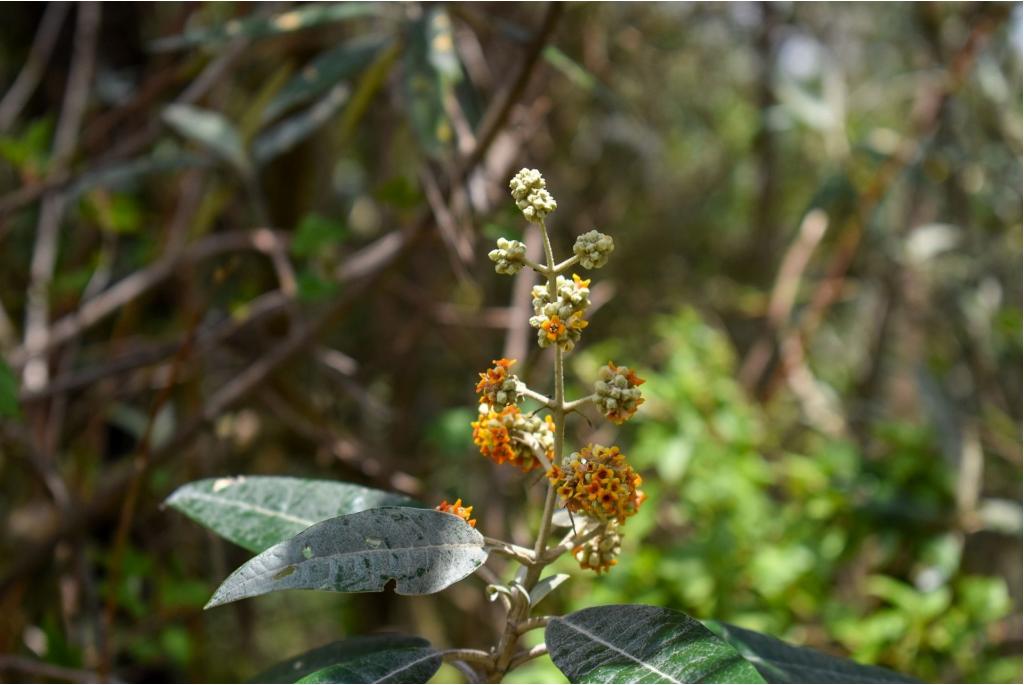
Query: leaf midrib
(598,639)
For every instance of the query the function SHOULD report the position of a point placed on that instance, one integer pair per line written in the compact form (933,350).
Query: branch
(522,657)
(38,57)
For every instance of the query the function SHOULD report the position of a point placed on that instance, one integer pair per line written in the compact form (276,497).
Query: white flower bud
(593,248)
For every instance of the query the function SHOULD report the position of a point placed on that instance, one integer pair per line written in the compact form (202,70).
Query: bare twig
(131,287)
(38,57)
(19,664)
(521,658)
(44,253)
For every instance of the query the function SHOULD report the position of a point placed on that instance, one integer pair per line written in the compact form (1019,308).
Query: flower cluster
(528,190)
(601,552)
(598,483)
(593,248)
(618,392)
(498,387)
(511,436)
(462,512)
(561,320)
(508,257)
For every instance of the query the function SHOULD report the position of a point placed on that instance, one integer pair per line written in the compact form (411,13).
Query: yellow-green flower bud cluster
(528,190)
(593,248)
(600,553)
(560,320)
(508,256)
(617,392)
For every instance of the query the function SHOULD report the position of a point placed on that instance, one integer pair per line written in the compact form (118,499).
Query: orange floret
(462,512)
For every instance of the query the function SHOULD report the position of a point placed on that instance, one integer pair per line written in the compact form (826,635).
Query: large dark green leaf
(370,659)
(422,550)
(780,662)
(633,643)
(256,512)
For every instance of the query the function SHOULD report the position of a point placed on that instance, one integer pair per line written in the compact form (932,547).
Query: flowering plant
(341,537)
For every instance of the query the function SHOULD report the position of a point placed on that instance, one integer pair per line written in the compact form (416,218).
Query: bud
(618,392)
(532,198)
(600,553)
(462,512)
(508,256)
(593,248)
(599,483)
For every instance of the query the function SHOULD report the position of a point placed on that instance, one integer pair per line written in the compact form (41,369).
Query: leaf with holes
(632,643)
(779,662)
(371,659)
(422,550)
(256,512)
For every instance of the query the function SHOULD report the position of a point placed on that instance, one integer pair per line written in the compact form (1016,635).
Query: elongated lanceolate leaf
(337,64)
(370,659)
(780,662)
(632,643)
(211,130)
(422,550)
(304,17)
(256,512)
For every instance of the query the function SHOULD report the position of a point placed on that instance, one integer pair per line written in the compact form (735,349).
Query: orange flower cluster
(510,436)
(598,483)
(462,512)
(498,387)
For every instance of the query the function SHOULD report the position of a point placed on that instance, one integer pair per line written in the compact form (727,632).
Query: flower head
(498,387)
(508,257)
(531,196)
(600,553)
(593,248)
(560,319)
(462,512)
(511,436)
(618,392)
(599,483)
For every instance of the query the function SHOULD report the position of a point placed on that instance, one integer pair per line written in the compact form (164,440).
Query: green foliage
(421,550)
(372,659)
(8,392)
(628,643)
(257,512)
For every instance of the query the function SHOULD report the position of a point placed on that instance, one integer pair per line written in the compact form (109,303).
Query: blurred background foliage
(250,238)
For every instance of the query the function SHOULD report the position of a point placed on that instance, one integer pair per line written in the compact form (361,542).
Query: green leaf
(633,643)
(780,662)
(307,16)
(370,659)
(312,287)
(325,71)
(316,234)
(422,550)
(256,512)
(431,70)
(211,130)
(9,407)
(293,130)
(546,587)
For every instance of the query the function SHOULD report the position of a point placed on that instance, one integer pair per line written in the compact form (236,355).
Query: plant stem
(521,610)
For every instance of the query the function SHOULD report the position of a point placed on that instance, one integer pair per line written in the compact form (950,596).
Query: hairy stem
(505,651)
